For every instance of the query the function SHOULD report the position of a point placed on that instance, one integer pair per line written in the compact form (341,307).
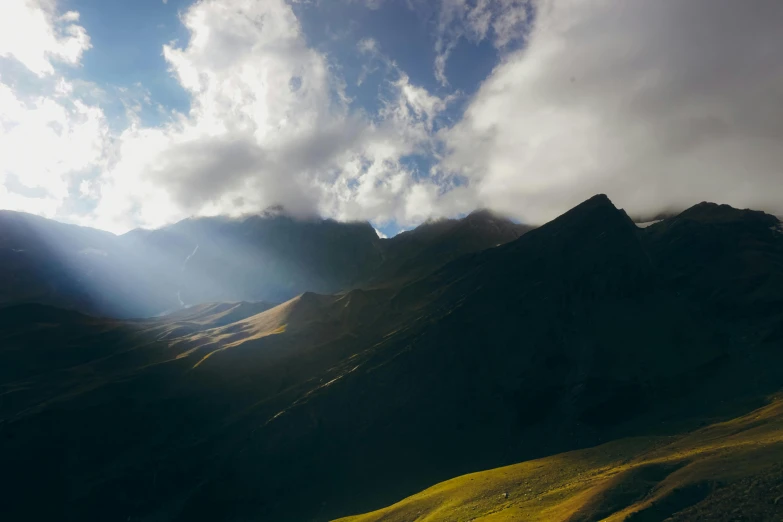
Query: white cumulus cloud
(50,139)
(659,104)
(269,124)
(32,32)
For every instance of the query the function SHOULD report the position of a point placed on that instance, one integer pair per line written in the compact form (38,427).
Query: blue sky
(127,38)
(142,112)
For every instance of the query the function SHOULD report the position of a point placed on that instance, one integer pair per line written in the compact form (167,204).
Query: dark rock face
(728,258)
(582,330)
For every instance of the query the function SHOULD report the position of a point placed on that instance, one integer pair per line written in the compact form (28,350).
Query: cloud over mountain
(659,104)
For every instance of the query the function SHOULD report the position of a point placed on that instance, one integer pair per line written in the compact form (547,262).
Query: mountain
(723,472)
(268,257)
(582,331)
(729,258)
(260,258)
(431,245)
(68,266)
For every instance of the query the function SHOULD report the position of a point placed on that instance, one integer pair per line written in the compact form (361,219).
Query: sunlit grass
(609,482)
(256,335)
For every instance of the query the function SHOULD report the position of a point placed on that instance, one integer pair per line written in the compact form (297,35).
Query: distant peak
(485,214)
(596,211)
(482,212)
(599,199)
(706,212)
(595,203)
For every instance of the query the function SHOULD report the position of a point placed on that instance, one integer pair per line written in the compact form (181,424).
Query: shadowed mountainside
(420,251)
(73,267)
(582,331)
(269,257)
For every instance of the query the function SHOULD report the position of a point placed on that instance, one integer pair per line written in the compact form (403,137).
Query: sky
(140,113)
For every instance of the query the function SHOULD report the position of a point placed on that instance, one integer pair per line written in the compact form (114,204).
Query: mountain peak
(713,213)
(595,210)
(483,213)
(597,201)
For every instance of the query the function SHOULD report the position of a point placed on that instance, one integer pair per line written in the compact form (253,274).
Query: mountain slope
(47,262)
(729,259)
(522,349)
(574,334)
(720,472)
(260,258)
(269,257)
(420,251)
(561,339)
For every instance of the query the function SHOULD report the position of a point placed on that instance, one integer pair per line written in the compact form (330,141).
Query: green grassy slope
(731,470)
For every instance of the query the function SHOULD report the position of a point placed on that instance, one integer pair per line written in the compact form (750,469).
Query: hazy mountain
(582,331)
(266,257)
(80,268)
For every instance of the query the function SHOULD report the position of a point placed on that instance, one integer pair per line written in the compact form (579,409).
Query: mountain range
(264,257)
(393,365)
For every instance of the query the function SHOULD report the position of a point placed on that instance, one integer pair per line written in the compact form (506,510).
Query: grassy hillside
(583,331)
(727,471)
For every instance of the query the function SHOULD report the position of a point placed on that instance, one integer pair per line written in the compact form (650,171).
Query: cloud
(33,33)
(503,21)
(380,234)
(659,104)
(257,92)
(46,142)
(50,139)
(269,124)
